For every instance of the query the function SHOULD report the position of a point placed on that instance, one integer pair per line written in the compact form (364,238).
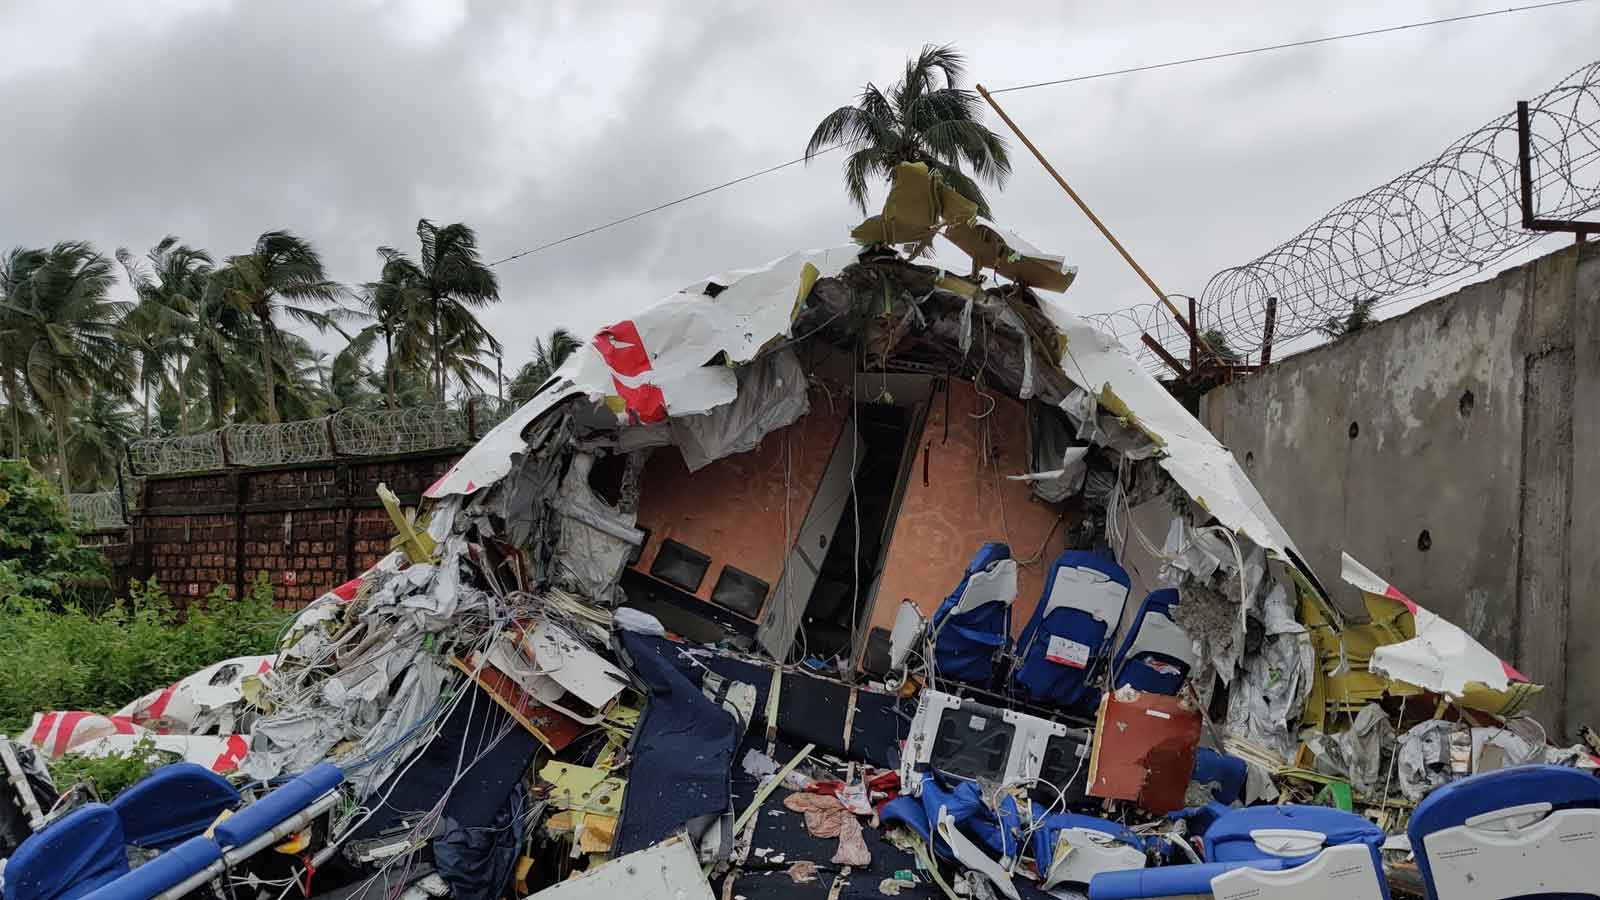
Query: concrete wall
(1455,450)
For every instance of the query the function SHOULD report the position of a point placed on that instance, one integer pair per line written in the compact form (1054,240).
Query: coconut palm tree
(69,335)
(102,428)
(445,283)
(400,316)
(227,352)
(170,285)
(26,434)
(281,272)
(16,273)
(548,355)
(302,380)
(352,383)
(925,117)
(461,343)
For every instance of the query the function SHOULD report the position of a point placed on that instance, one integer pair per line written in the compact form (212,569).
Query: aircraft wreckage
(846,576)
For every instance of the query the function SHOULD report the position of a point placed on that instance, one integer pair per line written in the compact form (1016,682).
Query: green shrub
(66,644)
(39,552)
(65,658)
(113,773)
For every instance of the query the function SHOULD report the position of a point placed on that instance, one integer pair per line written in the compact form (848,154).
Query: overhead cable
(1059,81)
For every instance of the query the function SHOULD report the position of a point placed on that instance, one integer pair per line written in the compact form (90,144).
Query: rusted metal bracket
(1525,164)
(1168,358)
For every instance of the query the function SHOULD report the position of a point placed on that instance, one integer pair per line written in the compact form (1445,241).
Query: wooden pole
(1154,288)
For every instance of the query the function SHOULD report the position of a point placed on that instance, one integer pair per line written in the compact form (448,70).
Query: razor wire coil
(348,432)
(91,512)
(1455,214)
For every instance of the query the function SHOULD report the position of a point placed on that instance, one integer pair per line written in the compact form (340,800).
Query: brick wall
(308,528)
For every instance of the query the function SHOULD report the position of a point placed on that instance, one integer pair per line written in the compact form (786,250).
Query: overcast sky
(346,122)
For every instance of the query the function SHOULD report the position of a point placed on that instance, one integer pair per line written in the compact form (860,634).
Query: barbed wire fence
(346,433)
(96,511)
(1453,216)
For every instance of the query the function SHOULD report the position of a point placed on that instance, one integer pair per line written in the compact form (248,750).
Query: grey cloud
(340,121)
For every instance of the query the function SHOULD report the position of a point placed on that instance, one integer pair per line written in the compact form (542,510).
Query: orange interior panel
(965,504)
(732,509)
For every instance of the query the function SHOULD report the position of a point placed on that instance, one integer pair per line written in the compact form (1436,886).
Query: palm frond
(921,71)
(963,185)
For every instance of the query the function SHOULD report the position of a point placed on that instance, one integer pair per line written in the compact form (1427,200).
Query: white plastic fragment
(969,855)
(668,869)
(637,621)
(1442,657)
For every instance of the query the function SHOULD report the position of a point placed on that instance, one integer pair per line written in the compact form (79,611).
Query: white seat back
(1516,851)
(996,584)
(1089,590)
(1159,634)
(1345,872)
(1082,853)
(908,628)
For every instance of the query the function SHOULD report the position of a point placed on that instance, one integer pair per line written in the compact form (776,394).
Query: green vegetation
(203,344)
(67,658)
(924,117)
(548,356)
(1357,319)
(113,773)
(39,554)
(65,645)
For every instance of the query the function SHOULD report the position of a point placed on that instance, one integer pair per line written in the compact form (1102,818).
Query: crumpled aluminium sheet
(1357,754)
(386,683)
(595,538)
(1425,761)
(384,729)
(523,500)
(680,335)
(1056,462)
(1096,426)
(772,394)
(1258,648)
(1191,454)
(1442,657)
(396,735)
(1270,691)
(1204,567)
(293,741)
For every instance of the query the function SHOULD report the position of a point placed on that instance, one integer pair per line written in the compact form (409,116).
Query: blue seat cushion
(1149,672)
(1228,773)
(966,643)
(1228,839)
(259,817)
(1171,881)
(964,802)
(174,804)
(1045,680)
(70,857)
(168,870)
